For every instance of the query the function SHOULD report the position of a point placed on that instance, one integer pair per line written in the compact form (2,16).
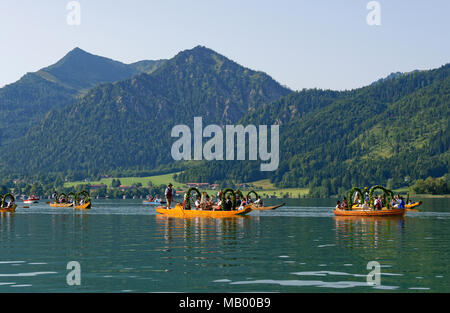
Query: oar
(412,210)
(48,202)
(26,207)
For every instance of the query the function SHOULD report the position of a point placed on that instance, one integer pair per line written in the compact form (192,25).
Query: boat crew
(169,193)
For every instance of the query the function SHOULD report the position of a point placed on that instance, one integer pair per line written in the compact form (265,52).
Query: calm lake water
(123,246)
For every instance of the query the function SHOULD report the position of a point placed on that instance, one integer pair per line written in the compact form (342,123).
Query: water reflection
(202,229)
(369,231)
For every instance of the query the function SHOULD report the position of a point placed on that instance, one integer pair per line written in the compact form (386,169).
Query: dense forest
(392,132)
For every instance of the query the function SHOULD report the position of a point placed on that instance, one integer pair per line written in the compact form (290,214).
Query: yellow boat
(370,212)
(178,211)
(85,206)
(265,208)
(413,205)
(12,209)
(86,198)
(61,205)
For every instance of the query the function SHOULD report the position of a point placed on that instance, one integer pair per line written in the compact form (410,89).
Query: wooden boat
(12,209)
(370,212)
(61,205)
(178,211)
(265,208)
(413,205)
(85,206)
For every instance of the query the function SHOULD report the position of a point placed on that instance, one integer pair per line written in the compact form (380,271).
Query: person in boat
(401,203)
(10,203)
(259,202)
(219,194)
(366,205)
(338,205)
(378,203)
(208,204)
(169,193)
(219,205)
(238,201)
(228,204)
(197,203)
(356,199)
(243,204)
(344,204)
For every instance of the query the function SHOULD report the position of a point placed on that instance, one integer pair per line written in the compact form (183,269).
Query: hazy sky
(301,44)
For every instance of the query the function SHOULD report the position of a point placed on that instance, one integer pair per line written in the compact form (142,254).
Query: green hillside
(394,131)
(127,124)
(25,102)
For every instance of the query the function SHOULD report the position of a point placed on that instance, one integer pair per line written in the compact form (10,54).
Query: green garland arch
(249,194)
(233,198)
(352,192)
(239,193)
(87,197)
(387,195)
(187,197)
(3,204)
(60,196)
(71,195)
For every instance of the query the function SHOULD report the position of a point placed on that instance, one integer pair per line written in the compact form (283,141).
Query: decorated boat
(82,200)
(370,212)
(61,201)
(184,210)
(7,206)
(357,210)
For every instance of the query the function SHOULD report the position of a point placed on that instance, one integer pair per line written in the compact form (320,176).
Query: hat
(170,185)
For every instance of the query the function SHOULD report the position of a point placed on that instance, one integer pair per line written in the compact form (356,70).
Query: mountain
(26,101)
(394,131)
(127,124)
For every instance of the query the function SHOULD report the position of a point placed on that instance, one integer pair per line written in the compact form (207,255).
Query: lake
(123,246)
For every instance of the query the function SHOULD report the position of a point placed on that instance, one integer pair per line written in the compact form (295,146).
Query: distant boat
(31,199)
(153,202)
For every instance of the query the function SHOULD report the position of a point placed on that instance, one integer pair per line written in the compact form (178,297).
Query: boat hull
(9,210)
(413,205)
(383,212)
(85,206)
(61,205)
(30,201)
(178,211)
(266,208)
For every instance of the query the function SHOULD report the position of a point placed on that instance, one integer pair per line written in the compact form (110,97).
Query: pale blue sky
(301,44)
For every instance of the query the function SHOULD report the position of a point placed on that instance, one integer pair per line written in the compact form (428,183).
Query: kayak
(61,205)
(9,210)
(85,206)
(383,212)
(178,211)
(265,208)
